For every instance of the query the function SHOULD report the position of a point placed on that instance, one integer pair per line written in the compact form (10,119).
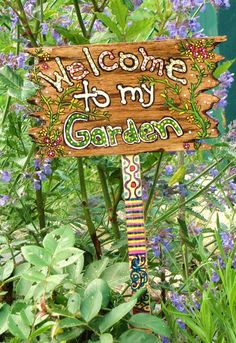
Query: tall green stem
(87,214)
(24,21)
(182,218)
(152,190)
(112,216)
(80,19)
(40,208)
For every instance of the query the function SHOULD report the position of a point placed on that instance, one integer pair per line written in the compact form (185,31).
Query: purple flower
(194,230)
(3,199)
(231,135)
(178,302)
(214,172)
(163,239)
(215,277)
(181,324)
(36,164)
(165,340)
(5,176)
(221,3)
(37,184)
(41,175)
(169,170)
(227,241)
(226,79)
(44,27)
(47,169)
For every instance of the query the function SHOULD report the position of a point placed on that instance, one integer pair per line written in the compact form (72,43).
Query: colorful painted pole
(137,246)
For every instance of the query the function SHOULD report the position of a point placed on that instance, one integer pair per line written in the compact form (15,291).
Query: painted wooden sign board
(124,98)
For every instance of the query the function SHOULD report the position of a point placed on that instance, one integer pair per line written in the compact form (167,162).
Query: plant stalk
(152,190)
(87,214)
(112,216)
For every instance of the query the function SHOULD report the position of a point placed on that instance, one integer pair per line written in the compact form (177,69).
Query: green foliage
(52,286)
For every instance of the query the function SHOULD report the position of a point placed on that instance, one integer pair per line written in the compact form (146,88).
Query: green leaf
(27,316)
(101,286)
(120,11)
(52,281)
(95,269)
(6,270)
(223,68)
(72,35)
(147,321)
(36,255)
(110,24)
(17,327)
(91,305)
(139,30)
(106,338)
(70,323)
(178,176)
(69,336)
(73,304)
(59,238)
(14,85)
(4,313)
(137,336)
(115,315)
(116,274)
(33,275)
(65,256)
(43,328)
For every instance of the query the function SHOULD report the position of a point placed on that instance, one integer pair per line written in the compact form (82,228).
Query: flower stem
(80,19)
(112,216)
(152,190)
(87,214)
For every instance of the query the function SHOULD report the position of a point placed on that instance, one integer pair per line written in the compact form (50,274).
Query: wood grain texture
(187,107)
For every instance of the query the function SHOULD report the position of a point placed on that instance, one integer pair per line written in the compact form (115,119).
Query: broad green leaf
(70,323)
(33,274)
(6,270)
(137,336)
(95,269)
(27,316)
(110,24)
(14,85)
(73,304)
(52,281)
(116,274)
(120,11)
(102,286)
(69,336)
(17,327)
(140,30)
(115,315)
(75,270)
(178,176)
(72,35)
(59,238)
(4,313)
(91,305)
(65,257)
(36,255)
(106,338)
(223,68)
(43,328)
(147,321)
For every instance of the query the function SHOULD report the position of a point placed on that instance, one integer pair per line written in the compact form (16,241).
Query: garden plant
(64,275)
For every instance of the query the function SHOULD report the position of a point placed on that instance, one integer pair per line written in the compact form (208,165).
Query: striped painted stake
(137,246)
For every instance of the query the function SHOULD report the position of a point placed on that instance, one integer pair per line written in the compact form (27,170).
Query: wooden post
(137,245)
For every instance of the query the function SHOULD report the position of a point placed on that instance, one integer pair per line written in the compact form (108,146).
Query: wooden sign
(125,97)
